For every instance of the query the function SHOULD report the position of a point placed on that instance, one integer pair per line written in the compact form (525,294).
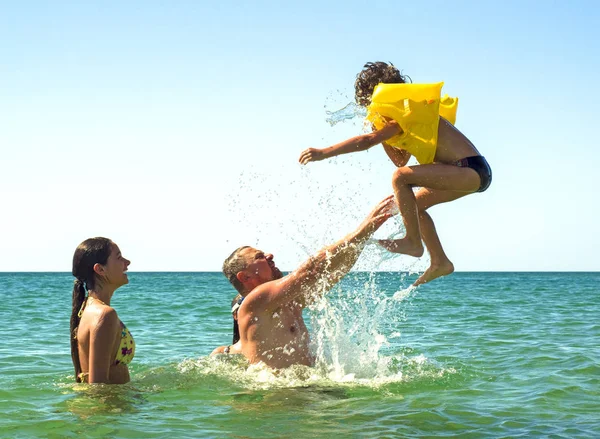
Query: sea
(471,355)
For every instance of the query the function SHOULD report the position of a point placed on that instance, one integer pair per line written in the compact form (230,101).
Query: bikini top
(126,350)
(417,109)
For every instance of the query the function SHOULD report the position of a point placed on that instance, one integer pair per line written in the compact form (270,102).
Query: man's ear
(98,269)
(242,276)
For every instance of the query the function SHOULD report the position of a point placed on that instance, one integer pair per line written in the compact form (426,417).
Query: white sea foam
(348,327)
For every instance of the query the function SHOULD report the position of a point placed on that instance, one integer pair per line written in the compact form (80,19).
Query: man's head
(372,74)
(247,267)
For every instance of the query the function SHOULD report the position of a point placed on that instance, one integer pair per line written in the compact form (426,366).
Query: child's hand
(311,155)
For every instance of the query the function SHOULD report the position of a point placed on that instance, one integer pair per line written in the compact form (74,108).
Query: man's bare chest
(288,321)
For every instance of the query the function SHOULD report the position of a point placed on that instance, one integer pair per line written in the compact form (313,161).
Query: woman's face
(116,267)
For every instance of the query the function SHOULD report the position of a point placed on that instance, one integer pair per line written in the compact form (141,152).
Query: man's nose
(269,256)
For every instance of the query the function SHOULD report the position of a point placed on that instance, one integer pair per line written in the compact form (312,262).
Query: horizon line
(289,271)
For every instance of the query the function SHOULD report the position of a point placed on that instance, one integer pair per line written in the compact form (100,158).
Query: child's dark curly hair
(372,74)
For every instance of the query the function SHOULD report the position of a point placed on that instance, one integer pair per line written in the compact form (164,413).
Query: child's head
(372,74)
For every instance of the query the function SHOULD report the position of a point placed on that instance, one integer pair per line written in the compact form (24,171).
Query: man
(269,312)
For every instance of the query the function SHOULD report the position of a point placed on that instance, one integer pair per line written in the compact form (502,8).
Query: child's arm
(358,143)
(399,157)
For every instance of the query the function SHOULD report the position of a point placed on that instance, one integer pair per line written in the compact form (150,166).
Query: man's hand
(311,155)
(384,210)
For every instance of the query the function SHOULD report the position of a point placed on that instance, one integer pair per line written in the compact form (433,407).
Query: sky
(174,129)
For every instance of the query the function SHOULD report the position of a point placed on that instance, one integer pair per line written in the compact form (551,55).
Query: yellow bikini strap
(82,307)
(79,314)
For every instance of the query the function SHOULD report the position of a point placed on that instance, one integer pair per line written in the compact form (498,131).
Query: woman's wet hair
(236,328)
(374,73)
(89,253)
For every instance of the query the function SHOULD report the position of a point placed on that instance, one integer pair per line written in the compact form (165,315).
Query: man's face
(260,266)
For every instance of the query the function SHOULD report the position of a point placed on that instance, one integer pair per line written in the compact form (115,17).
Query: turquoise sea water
(472,355)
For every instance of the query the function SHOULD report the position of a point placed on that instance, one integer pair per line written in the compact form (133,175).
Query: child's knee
(401,175)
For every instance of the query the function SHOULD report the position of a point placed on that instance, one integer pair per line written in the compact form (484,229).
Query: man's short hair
(233,265)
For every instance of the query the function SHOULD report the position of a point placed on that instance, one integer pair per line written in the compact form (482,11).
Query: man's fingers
(381,218)
(386,203)
(387,200)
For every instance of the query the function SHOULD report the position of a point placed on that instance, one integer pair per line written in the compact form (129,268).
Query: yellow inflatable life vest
(448,107)
(416,107)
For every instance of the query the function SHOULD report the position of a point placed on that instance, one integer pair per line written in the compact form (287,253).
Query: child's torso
(452,144)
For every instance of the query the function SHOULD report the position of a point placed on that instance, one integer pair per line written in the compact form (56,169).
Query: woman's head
(98,261)
(372,74)
(87,254)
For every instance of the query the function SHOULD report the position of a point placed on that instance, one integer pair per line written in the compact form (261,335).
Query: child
(457,169)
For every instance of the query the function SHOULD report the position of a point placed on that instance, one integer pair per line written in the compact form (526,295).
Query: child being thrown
(406,121)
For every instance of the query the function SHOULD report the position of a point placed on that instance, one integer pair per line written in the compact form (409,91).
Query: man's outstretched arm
(325,268)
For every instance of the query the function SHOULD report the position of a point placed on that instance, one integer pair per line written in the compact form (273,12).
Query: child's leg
(434,176)
(440,264)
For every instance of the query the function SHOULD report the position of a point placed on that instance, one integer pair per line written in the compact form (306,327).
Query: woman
(101,345)
(235,347)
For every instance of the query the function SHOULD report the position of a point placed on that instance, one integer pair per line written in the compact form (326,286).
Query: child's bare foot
(404,246)
(435,271)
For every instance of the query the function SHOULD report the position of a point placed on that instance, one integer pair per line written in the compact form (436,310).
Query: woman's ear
(99,269)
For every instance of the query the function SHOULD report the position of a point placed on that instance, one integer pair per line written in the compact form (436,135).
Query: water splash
(348,112)
(348,328)
(400,295)
(221,372)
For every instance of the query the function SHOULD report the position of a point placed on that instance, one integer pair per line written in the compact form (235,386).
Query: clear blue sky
(174,128)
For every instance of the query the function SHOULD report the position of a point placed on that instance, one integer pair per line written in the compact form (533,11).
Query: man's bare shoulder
(262,297)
